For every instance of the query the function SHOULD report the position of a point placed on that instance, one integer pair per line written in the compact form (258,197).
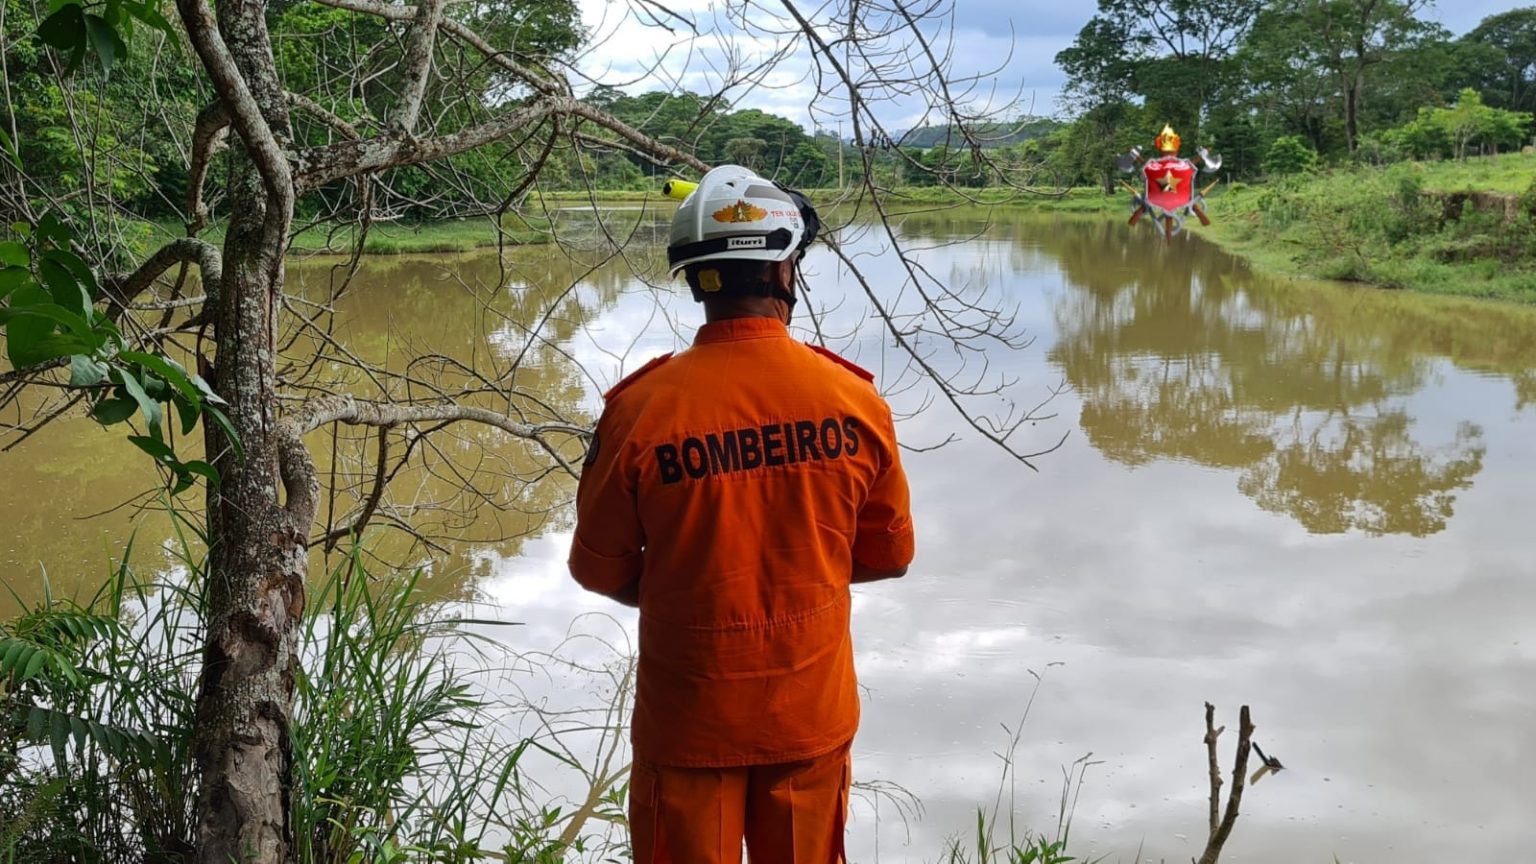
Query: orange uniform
(729,490)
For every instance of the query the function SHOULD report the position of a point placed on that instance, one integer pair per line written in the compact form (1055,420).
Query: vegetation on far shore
(1448,227)
(1462,228)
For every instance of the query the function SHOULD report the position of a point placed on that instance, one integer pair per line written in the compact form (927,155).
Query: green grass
(1075,200)
(1081,200)
(1510,174)
(397,751)
(459,235)
(1403,226)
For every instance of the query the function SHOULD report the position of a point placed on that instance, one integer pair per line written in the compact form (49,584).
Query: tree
(1173,54)
(1470,122)
(407,99)
(1289,155)
(1349,38)
(1510,80)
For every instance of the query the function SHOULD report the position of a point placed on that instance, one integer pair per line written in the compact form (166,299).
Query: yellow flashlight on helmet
(678,189)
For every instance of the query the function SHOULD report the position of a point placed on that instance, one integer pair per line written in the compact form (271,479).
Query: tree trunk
(257,557)
(1351,114)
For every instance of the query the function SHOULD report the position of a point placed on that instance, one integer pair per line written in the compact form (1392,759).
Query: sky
(1011,44)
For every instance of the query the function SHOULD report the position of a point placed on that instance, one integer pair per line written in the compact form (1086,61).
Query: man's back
(753,471)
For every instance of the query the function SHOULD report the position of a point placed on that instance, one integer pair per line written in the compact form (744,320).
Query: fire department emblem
(741,211)
(1168,192)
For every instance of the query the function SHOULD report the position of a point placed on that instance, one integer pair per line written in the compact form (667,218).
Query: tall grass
(999,836)
(395,757)
(1442,228)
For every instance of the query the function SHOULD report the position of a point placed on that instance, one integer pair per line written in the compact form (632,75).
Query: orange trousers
(788,813)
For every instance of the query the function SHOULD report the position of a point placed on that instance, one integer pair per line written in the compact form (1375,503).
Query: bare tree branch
(418,64)
(318,166)
(344,408)
(208,138)
(323,114)
(1221,831)
(122,290)
(235,94)
(542,82)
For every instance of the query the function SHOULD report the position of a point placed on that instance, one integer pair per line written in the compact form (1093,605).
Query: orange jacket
(733,486)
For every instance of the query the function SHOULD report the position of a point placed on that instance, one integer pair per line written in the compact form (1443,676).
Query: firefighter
(733,492)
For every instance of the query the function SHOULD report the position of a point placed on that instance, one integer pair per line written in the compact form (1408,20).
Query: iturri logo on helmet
(741,211)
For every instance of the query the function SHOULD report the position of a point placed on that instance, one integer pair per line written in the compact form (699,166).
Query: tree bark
(1351,109)
(258,556)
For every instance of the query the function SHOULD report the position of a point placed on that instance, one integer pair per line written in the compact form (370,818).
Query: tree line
(1277,85)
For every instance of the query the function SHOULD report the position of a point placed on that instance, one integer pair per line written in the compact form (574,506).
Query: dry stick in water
(1222,828)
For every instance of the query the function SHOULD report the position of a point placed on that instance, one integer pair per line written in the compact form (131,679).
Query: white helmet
(735,214)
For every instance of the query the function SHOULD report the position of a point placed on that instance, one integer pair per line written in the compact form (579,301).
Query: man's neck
(728,308)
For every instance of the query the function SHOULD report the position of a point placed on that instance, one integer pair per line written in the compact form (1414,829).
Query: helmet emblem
(741,211)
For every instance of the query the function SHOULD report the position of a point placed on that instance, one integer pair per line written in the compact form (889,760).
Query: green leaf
(229,430)
(85,371)
(168,369)
(66,290)
(78,268)
(22,228)
(53,229)
(15,649)
(65,670)
(37,723)
(150,15)
(52,347)
(155,386)
(154,447)
(12,278)
(113,410)
(8,146)
(44,308)
(64,29)
(25,335)
(150,407)
(105,40)
(34,666)
(188,413)
(58,733)
(14,254)
(209,396)
(204,470)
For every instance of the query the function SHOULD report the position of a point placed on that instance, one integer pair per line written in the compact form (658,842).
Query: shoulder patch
(843,362)
(636,375)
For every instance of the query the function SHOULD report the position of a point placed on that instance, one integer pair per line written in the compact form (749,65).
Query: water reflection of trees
(490,329)
(466,496)
(1179,353)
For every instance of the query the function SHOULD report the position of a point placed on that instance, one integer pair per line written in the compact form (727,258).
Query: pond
(1313,499)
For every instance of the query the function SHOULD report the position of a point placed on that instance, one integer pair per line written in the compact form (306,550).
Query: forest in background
(1274,86)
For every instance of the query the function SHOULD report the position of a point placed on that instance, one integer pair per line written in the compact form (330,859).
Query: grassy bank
(468,235)
(1460,228)
(1078,200)
(458,235)
(1466,229)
